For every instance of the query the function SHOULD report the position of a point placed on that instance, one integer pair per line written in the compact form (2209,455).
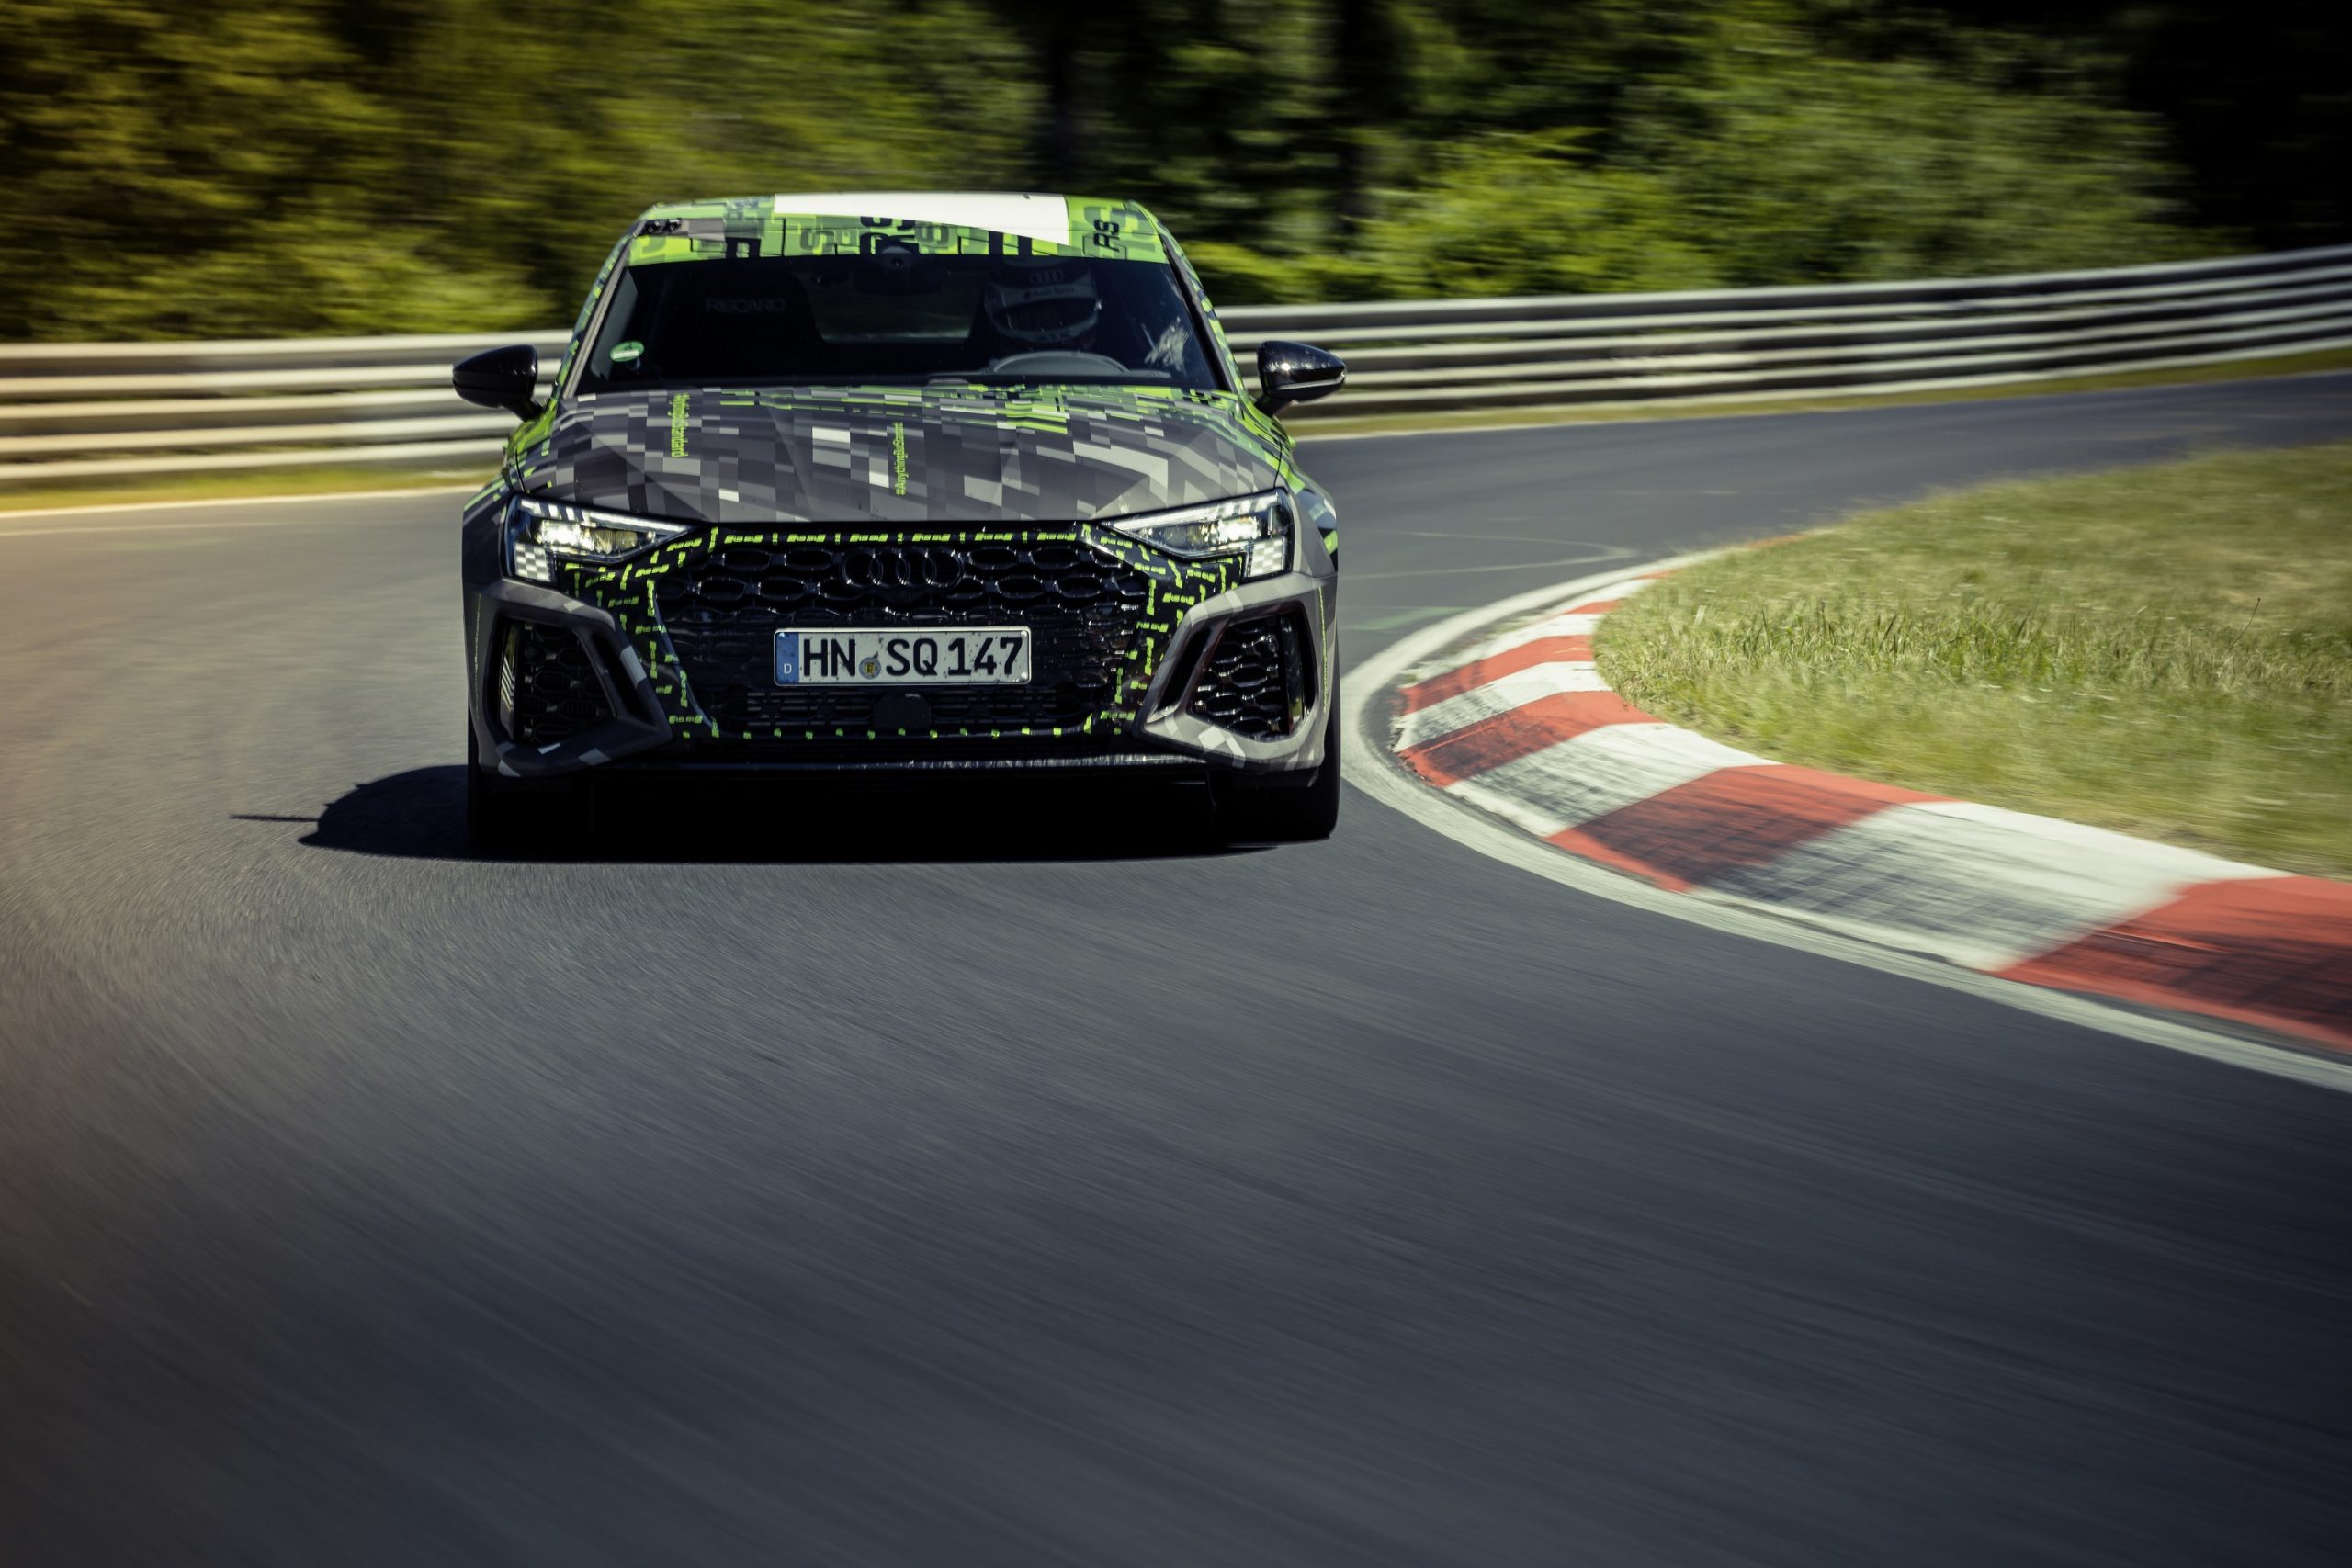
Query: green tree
(205,173)
(1738,143)
(1974,152)
(276,167)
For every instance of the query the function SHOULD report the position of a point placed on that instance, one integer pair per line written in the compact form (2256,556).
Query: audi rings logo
(902,572)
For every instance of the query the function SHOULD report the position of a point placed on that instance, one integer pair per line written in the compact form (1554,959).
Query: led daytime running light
(545,532)
(1255,526)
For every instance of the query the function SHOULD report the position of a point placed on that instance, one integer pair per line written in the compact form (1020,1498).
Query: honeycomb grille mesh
(547,684)
(722,609)
(1254,681)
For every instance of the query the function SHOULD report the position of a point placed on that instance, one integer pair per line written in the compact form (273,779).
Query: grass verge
(2165,650)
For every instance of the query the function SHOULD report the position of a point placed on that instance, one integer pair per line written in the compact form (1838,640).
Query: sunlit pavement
(818,1181)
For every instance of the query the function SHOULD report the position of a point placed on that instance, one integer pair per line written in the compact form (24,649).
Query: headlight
(541,533)
(1254,526)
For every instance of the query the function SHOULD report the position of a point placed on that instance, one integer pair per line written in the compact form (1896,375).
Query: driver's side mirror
(1296,373)
(501,378)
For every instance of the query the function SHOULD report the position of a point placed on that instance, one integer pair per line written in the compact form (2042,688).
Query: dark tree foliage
(297,167)
(2256,99)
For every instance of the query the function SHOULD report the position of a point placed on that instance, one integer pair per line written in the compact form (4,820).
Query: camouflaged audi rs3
(903,482)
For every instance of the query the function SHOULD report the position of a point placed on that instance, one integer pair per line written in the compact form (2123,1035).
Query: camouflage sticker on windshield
(748,227)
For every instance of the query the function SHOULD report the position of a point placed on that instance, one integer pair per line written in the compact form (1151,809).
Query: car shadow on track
(421,814)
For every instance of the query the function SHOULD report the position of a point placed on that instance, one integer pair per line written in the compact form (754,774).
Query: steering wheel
(1058,361)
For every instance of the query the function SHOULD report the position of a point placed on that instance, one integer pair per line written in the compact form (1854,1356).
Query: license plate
(943,656)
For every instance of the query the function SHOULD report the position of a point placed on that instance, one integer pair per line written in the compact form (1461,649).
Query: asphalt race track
(941,1178)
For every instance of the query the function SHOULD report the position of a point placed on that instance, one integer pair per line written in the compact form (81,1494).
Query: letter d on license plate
(939,656)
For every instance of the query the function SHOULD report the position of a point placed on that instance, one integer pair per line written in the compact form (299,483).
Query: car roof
(944,220)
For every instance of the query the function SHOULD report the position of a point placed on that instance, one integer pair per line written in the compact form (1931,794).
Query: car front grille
(1255,680)
(722,606)
(548,687)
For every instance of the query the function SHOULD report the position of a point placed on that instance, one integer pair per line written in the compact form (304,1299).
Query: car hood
(894,454)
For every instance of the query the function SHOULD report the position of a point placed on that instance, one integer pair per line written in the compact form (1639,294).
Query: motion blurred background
(279,168)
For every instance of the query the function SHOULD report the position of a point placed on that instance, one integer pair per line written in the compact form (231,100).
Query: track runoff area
(1499,718)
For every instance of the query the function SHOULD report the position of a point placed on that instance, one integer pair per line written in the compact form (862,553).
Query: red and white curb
(1522,727)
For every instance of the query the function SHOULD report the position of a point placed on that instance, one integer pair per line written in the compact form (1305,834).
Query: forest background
(288,167)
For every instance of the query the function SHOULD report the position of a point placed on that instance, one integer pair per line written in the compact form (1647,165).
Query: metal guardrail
(81,411)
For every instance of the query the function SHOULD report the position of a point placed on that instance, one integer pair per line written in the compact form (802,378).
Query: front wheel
(1253,813)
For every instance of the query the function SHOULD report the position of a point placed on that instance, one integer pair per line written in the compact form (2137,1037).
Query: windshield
(894,314)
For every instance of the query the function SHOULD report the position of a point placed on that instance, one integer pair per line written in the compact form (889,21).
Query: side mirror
(1296,373)
(501,378)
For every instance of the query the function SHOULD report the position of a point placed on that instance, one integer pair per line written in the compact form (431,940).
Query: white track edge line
(1368,764)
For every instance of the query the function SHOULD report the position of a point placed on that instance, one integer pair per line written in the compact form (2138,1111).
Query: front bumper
(651,660)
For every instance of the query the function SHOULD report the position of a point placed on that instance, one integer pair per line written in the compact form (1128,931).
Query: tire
(503,816)
(1253,813)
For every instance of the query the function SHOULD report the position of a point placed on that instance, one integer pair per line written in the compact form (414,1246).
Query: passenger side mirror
(1296,373)
(501,378)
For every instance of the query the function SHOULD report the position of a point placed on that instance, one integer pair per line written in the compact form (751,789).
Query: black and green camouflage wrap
(750,226)
(899,454)
(630,593)
(952,466)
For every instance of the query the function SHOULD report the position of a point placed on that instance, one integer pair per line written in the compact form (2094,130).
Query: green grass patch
(2165,650)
